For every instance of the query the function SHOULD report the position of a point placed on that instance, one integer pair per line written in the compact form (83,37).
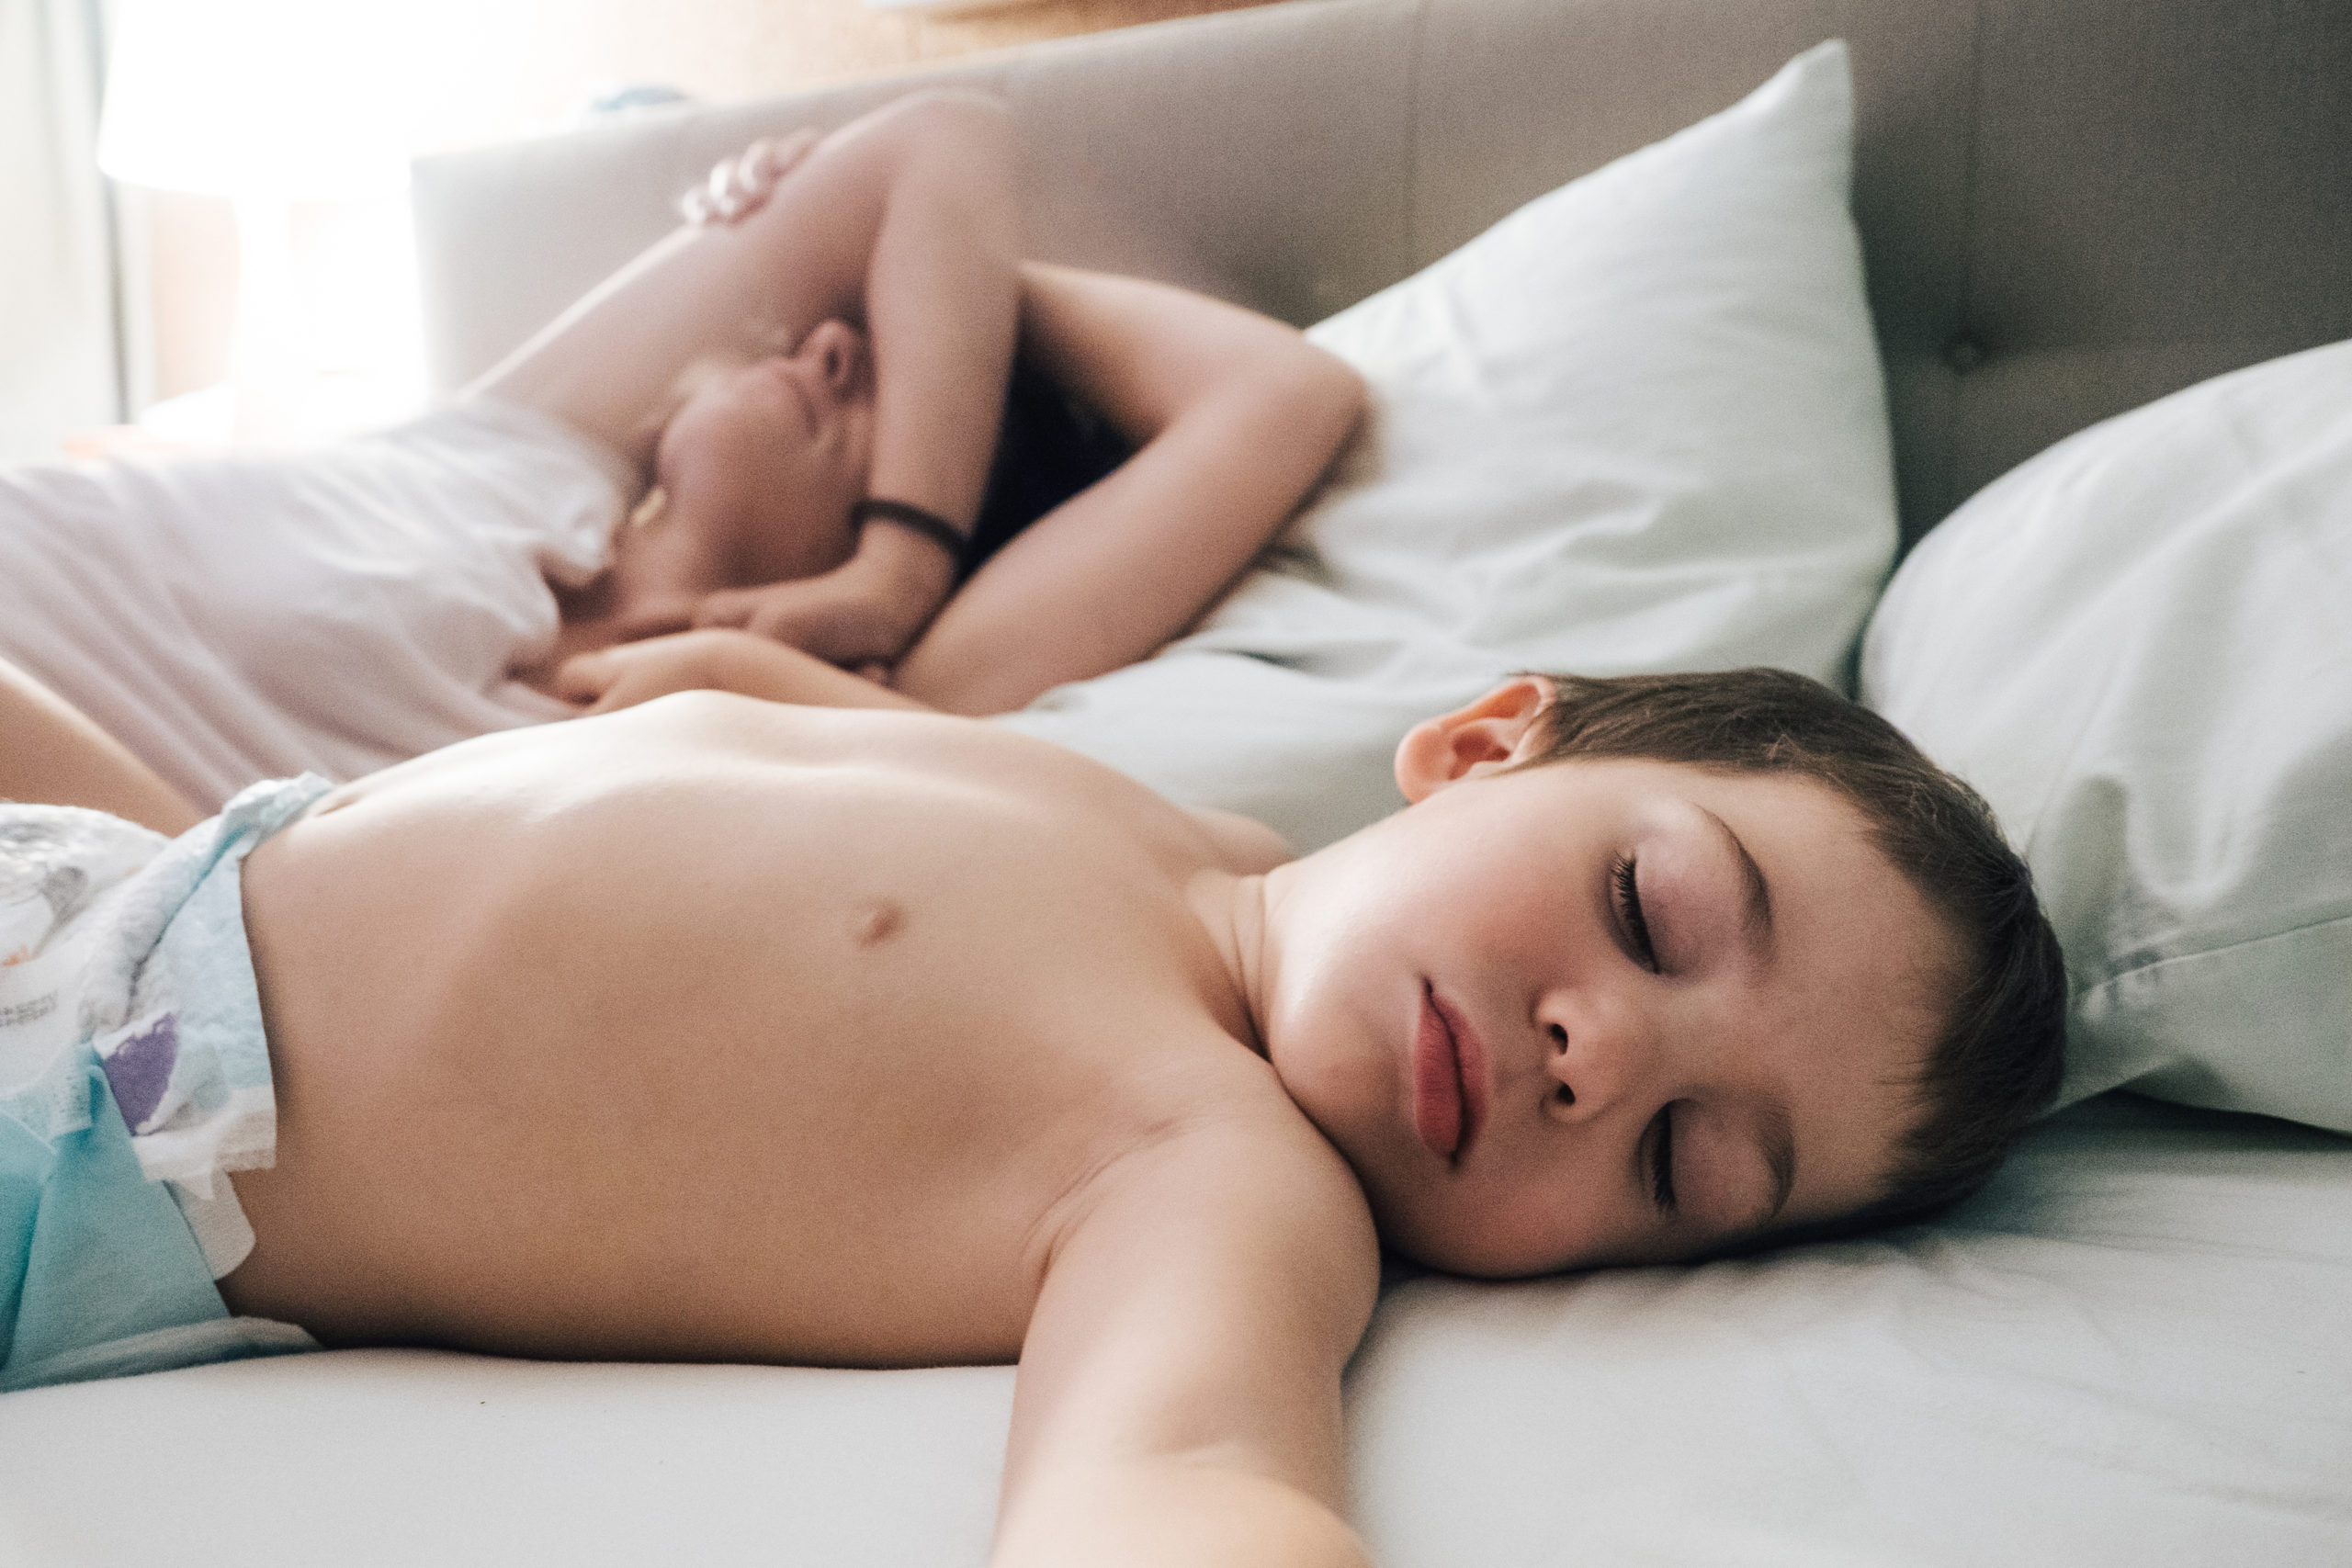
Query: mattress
(2130,1348)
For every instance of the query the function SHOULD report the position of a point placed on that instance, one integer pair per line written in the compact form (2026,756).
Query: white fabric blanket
(336,610)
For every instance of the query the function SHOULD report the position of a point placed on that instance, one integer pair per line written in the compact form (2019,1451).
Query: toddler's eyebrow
(1756,913)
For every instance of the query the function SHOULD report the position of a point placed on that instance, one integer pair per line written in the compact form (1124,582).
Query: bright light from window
(300,99)
(301,111)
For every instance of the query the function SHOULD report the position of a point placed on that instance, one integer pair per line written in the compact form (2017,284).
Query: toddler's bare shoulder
(1255,1234)
(1254,1159)
(1245,845)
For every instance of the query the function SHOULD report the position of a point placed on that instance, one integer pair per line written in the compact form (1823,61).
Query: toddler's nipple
(877,923)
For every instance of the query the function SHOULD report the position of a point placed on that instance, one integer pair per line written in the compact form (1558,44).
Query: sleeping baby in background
(779,425)
(730,1029)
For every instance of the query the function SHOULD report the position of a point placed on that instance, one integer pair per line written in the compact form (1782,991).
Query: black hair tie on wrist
(931,526)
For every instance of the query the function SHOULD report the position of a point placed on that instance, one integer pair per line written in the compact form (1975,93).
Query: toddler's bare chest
(829,1081)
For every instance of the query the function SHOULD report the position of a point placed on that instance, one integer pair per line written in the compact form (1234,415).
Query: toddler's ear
(1483,738)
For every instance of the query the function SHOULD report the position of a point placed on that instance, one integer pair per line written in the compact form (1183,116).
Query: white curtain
(59,321)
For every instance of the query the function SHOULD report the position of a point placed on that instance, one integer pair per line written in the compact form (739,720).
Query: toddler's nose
(1594,1057)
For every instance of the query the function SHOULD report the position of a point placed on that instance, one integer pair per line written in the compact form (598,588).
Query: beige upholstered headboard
(2069,207)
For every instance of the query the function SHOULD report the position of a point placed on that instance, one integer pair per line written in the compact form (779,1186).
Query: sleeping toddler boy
(726,1029)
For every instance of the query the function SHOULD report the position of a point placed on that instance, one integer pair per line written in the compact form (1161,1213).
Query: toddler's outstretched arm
(1179,1393)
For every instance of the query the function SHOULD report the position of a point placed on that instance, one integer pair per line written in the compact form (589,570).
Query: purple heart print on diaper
(140,1069)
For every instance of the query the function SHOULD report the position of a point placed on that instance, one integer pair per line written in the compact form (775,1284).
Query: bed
(1688,411)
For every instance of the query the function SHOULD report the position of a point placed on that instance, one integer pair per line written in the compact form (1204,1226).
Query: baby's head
(1659,965)
(754,477)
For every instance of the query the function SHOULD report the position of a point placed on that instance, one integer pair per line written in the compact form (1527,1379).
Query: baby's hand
(738,185)
(627,673)
(855,617)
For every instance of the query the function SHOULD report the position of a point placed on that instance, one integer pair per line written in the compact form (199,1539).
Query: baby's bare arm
(51,753)
(903,222)
(1234,415)
(1179,1395)
(714,659)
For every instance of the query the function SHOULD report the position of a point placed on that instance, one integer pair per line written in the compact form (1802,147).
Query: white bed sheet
(2131,1349)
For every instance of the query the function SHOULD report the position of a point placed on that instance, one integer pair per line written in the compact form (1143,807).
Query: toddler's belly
(571,1179)
(421,1243)
(713,1028)
(583,1084)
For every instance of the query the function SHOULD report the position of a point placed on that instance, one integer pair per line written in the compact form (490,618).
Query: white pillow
(1638,424)
(2139,647)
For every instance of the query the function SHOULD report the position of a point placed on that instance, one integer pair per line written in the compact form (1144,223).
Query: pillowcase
(1638,424)
(2139,647)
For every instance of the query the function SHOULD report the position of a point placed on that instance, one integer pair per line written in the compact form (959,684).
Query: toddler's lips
(1445,1088)
(1470,1064)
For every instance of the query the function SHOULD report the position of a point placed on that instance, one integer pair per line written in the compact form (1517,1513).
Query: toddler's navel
(877,923)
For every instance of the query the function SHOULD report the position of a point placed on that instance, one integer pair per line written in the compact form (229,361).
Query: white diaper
(134,1075)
